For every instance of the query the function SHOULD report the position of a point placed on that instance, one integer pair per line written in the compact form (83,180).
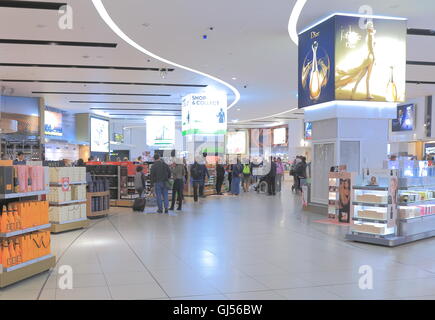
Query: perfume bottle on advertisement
(315,78)
(391,95)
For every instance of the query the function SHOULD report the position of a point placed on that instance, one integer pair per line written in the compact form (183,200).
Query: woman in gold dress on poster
(343,78)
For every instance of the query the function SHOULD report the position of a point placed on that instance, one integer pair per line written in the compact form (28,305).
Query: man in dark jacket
(160,174)
(271,177)
(204,173)
(196,177)
(220,175)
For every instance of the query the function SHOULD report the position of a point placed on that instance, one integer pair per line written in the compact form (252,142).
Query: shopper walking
(246,181)
(160,174)
(220,176)
(279,174)
(196,177)
(204,174)
(178,174)
(139,181)
(300,172)
(271,177)
(237,170)
(230,176)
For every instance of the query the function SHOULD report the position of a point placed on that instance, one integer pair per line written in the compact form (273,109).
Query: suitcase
(139,204)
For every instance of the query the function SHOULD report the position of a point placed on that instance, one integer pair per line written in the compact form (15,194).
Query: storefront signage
(204,114)
(343,59)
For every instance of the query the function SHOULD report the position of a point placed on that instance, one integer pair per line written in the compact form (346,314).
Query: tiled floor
(247,247)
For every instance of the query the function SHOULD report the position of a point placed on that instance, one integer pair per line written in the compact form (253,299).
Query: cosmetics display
(67,198)
(339,194)
(395,207)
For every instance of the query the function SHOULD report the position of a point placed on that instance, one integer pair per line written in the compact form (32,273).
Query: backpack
(196,172)
(246,169)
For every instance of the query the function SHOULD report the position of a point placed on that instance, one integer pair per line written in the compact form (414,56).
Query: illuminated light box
(308,130)
(204,114)
(53,123)
(279,136)
(405,118)
(99,135)
(352,57)
(160,131)
(236,142)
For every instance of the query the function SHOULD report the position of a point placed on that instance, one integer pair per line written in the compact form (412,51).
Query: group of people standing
(238,174)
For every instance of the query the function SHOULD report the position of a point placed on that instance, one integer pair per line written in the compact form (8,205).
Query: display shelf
(24,231)
(67,202)
(370,188)
(57,227)
(417,203)
(25,270)
(106,175)
(97,194)
(408,220)
(96,214)
(23,195)
(369,220)
(370,204)
(57,184)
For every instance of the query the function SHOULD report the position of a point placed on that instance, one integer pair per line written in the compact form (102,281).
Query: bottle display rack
(25,237)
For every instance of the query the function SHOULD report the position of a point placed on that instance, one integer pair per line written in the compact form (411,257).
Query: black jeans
(196,185)
(271,185)
(219,182)
(140,192)
(177,192)
(201,188)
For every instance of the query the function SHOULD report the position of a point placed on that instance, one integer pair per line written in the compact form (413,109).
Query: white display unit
(414,202)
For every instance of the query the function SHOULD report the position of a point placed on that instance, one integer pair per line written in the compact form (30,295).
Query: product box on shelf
(78,192)
(6,180)
(23,248)
(369,228)
(58,194)
(23,215)
(371,214)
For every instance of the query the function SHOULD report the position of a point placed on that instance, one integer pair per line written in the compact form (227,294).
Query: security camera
(211,28)
(245,86)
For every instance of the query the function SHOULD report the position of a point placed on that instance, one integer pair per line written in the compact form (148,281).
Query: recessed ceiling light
(238,109)
(40,25)
(234,78)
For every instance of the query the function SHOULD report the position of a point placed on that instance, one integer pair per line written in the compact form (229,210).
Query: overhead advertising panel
(236,142)
(353,58)
(160,131)
(279,136)
(99,135)
(204,114)
(53,123)
(405,118)
(308,132)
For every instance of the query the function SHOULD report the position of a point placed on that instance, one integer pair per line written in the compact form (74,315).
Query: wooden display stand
(74,225)
(26,270)
(96,214)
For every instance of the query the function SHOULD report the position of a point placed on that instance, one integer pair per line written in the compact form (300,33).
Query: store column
(351,77)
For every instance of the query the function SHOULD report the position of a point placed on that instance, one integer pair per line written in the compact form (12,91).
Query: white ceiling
(249,41)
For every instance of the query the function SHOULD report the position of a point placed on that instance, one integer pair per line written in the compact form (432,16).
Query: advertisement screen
(280,136)
(370,62)
(236,142)
(53,123)
(308,130)
(204,114)
(316,62)
(99,135)
(160,131)
(352,58)
(405,118)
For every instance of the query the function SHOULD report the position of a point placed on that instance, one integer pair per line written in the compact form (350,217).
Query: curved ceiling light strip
(292,30)
(293,21)
(267,117)
(98,4)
